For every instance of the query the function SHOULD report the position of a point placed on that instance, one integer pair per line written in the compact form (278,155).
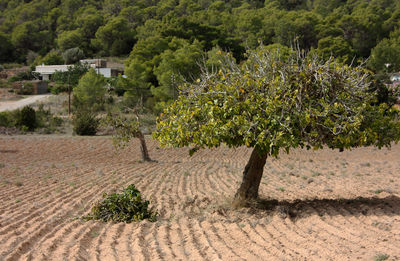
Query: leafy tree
(336,47)
(298,25)
(52,57)
(28,36)
(387,52)
(126,129)
(70,77)
(140,65)
(6,48)
(175,66)
(73,55)
(85,123)
(90,91)
(115,38)
(271,104)
(70,39)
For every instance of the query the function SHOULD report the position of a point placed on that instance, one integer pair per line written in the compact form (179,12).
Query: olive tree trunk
(252,176)
(143,147)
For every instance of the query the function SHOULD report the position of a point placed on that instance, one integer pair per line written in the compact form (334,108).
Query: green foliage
(115,38)
(90,91)
(127,206)
(22,76)
(125,128)
(100,28)
(6,48)
(7,118)
(26,119)
(85,123)
(70,39)
(26,89)
(58,88)
(386,52)
(73,55)
(72,75)
(336,47)
(381,257)
(51,58)
(176,65)
(271,103)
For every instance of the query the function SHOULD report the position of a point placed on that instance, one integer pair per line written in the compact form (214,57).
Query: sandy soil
(322,205)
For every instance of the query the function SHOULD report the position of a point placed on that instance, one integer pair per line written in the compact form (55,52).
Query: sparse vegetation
(28,119)
(381,257)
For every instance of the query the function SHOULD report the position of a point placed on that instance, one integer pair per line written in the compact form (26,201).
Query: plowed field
(317,205)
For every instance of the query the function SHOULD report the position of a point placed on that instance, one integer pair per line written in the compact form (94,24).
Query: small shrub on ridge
(126,206)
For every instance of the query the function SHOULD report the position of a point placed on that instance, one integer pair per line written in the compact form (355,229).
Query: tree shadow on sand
(357,207)
(8,151)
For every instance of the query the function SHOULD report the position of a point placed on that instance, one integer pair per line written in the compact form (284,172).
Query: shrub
(6,119)
(22,76)
(73,55)
(85,123)
(47,121)
(26,89)
(126,206)
(58,88)
(26,118)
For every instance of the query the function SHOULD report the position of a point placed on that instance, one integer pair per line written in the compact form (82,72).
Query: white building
(46,70)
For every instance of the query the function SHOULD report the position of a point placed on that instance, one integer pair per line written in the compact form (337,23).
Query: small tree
(126,129)
(91,90)
(270,103)
(70,77)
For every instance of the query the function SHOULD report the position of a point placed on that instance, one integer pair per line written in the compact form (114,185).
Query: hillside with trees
(164,41)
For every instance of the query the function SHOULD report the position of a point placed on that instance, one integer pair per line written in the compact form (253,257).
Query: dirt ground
(316,205)
(16,104)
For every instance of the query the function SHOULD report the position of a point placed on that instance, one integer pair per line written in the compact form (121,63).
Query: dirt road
(13,105)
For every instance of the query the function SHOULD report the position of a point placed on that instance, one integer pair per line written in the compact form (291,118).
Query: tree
(6,48)
(272,104)
(176,63)
(386,52)
(73,55)
(127,129)
(90,91)
(115,38)
(70,77)
(336,47)
(70,39)
(52,57)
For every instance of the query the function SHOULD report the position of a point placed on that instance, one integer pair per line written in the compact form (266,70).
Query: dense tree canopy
(273,102)
(351,31)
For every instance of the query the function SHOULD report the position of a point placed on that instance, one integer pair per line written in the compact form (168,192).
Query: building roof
(50,69)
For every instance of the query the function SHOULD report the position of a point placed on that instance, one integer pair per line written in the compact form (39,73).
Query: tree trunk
(143,148)
(251,177)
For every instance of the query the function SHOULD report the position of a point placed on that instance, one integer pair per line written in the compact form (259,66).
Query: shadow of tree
(8,151)
(361,206)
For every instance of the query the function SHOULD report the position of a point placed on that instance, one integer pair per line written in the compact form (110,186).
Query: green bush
(26,119)
(7,119)
(22,76)
(26,89)
(85,123)
(58,88)
(47,121)
(126,206)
